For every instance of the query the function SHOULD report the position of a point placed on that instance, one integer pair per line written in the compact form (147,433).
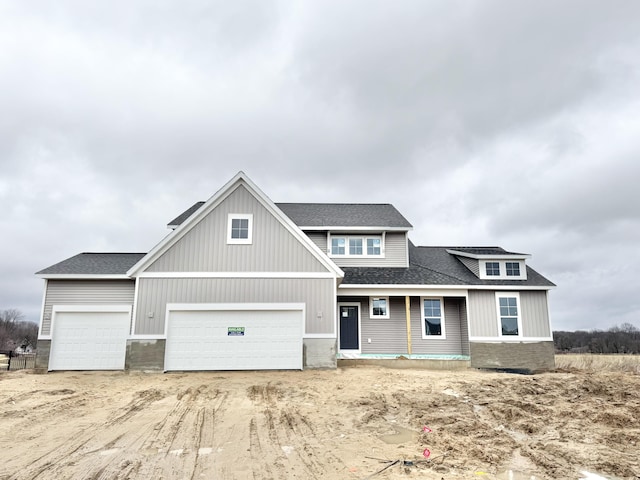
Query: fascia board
(83,276)
(507,256)
(347,228)
(442,287)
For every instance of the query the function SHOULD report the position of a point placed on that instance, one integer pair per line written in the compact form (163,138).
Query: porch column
(407,306)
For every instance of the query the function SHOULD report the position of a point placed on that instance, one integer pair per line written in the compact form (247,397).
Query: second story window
(493,269)
(513,269)
(239,228)
(355,246)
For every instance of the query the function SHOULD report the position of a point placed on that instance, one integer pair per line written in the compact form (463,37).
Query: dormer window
(356,246)
(493,269)
(513,269)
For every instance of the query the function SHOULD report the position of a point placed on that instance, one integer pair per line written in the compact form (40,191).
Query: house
(245,283)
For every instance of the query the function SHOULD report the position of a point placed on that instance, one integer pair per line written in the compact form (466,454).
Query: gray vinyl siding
(483,320)
(453,343)
(388,335)
(484,317)
(85,292)
(204,248)
(464,327)
(320,239)
(395,254)
(155,293)
(535,314)
(471,264)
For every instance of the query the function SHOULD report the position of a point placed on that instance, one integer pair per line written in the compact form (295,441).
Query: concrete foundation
(43,349)
(145,355)
(319,353)
(528,357)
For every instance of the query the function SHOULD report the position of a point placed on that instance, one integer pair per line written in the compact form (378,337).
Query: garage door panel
(201,340)
(89,341)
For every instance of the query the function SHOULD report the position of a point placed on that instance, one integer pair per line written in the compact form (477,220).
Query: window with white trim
(432,318)
(240,228)
(379,307)
(509,320)
(356,246)
(513,269)
(492,269)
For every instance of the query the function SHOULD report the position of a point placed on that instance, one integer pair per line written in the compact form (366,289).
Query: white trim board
(84,276)
(236,275)
(513,339)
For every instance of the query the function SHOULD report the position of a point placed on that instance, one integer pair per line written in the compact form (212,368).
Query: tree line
(619,339)
(15,332)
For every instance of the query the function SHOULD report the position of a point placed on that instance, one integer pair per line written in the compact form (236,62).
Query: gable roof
(435,266)
(201,211)
(176,222)
(88,264)
(337,215)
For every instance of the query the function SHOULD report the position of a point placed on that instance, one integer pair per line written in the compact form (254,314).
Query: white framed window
(503,270)
(433,325)
(379,307)
(513,269)
(356,246)
(509,318)
(240,228)
(492,269)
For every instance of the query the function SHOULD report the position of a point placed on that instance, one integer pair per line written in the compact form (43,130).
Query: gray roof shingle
(433,266)
(184,215)
(497,251)
(344,215)
(88,263)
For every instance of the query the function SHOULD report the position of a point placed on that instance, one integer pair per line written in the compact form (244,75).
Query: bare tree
(11,315)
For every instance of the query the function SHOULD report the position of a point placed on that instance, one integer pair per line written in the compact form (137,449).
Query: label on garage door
(235,331)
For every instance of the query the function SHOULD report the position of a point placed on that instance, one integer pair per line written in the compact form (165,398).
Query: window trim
(486,269)
(515,295)
(347,238)
(371,315)
(503,269)
(443,330)
(240,241)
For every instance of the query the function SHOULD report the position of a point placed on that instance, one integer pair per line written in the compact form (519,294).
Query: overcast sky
(484,122)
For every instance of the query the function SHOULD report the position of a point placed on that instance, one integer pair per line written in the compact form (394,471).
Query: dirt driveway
(338,424)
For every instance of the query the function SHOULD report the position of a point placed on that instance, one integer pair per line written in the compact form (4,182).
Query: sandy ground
(342,424)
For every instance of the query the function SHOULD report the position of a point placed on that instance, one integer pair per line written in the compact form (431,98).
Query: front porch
(387,328)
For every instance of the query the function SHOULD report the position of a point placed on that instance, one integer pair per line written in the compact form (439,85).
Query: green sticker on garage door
(235,331)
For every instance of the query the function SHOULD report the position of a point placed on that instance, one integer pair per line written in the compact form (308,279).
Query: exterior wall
(85,292)
(472,264)
(530,357)
(319,353)
(533,310)
(145,355)
(43,350)
(395,254)
(464,327)
(388,335)
(155,293)
(204,248)
(452,344)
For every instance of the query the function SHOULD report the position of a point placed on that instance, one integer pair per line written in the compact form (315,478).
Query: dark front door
(349,334)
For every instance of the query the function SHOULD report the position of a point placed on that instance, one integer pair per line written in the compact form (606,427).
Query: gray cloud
(485,122)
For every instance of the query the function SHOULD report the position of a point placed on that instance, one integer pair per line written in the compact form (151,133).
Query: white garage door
(89,340)
(239,339)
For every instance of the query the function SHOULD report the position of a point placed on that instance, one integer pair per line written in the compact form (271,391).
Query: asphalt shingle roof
(433,266)
(484,251)
(94,264)
(344,215)
(186,214)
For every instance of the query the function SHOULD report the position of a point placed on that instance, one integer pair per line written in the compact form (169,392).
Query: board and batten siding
(455,337)
(204,248)
(388,335)
(395,251)
(154,293)
(85,292)
(533,311)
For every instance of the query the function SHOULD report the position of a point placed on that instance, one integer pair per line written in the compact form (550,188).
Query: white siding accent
(84,292)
